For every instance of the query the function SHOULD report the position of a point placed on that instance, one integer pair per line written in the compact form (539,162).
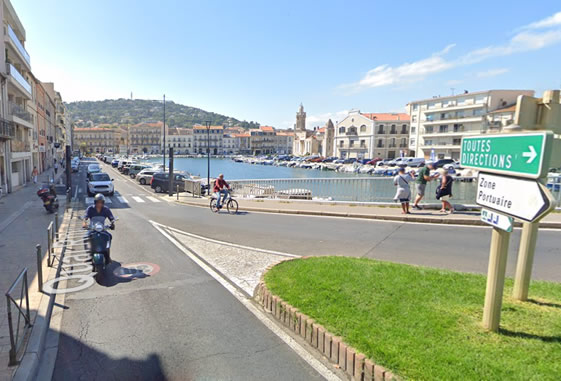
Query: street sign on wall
(527,200)
(524,155)
(497,220)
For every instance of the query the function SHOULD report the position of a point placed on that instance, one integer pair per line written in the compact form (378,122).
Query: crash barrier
(193,187)
(18,331)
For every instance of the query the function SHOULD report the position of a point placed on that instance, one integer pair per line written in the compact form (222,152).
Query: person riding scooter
(99,211)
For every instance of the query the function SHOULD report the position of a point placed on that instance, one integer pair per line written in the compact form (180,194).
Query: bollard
(56,225)
(39,268)
(49,243)
(177,188)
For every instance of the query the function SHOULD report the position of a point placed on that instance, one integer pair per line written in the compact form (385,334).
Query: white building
(370,135)
(213,138)
(181,140)
(231,144)
(438,124)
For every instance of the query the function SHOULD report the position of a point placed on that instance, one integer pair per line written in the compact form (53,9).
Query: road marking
(137,199)
(293,344)
(122,199)
(90,200)
(153,199)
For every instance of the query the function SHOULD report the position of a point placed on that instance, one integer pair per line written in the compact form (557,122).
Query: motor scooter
(99,240)
(47,194)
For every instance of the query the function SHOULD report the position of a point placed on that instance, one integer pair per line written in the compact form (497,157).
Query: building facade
(146,138)
(371,135)
(181,140)
(212,138)
(97,140)
(305,142)
(438,124)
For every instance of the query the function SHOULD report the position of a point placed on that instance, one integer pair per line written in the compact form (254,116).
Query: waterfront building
(327,139)
(231,144)
(263,140)
(305,141)
(146,138)
(439,123)
(98,139)
(284,142)
(244,144)
(181,140)
(370,135)
(213,138)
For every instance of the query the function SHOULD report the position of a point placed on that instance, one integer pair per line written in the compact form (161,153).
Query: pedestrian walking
(34,174)
(403,194)
(56,167)
(444,191)
(423,178)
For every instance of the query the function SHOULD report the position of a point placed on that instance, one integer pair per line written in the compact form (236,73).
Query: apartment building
(284,142)
(212,137)
(98,139)
(370,135)
(146,138)
(438,124)
(181,140)
(244,143)
(231,144)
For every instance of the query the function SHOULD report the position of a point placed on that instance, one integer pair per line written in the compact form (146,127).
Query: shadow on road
(76,360)
(128,275)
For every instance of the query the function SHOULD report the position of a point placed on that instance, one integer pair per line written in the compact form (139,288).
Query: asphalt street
(176,324)
(180,323)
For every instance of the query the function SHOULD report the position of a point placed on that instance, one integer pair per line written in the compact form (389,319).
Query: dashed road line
(137,199)
(153,199)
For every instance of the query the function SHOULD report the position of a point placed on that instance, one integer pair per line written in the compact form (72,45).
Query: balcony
(18,111)
(19,146)
(18,46)
(7,129)
(17,79)
(448,118)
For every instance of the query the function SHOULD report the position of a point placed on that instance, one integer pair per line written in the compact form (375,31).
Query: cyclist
(221,193)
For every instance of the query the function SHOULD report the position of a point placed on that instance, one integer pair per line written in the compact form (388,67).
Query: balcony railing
(7,129)
(18,44)
(18,77)
(20,112)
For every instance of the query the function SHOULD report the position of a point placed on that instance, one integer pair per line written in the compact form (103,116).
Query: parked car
(126,167)
(145,176)
(442,162)
(75,166)
(349,161)
(100,182)
(114,163)
(135,169)
(93,168)
(415,162)
(375,161)
(160,182)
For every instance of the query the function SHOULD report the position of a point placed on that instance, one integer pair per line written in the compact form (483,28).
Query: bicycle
(231,204)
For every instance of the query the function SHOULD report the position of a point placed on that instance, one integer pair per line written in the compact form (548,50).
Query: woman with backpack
(444,191)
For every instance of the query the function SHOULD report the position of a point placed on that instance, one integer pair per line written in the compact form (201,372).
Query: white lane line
(293,344)
(137,199)
(228,243)
(122,200)
(153,199)
(90,200)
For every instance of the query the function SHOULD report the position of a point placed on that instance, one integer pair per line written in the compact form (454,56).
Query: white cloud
(534,36)
(491,73)
(321,119)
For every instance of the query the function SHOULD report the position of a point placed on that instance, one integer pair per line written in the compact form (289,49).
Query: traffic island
(379,320)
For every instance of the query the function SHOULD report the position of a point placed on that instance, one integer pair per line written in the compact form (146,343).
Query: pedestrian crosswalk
(119,199)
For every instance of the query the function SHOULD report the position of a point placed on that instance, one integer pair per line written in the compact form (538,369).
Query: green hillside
(122,111)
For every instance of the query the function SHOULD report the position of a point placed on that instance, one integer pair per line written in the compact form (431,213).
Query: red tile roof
(267,128)
(211,127)
(386,116)
(95,129)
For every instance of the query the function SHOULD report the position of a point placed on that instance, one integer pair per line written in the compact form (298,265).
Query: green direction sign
(524,155)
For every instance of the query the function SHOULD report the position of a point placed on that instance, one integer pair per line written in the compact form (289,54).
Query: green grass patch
(423,323)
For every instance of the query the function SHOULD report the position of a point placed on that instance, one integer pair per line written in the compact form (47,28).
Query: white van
(415,162)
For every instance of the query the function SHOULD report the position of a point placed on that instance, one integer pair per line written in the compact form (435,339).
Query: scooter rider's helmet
(99,197)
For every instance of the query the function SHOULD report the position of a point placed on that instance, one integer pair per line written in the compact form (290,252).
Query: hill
(122,111)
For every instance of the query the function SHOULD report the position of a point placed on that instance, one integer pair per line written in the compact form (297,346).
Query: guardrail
(17,337)
(360,189)
(193,187)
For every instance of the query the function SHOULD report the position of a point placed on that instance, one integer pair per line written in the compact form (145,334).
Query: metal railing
(20,112)
(361,189)
(18,44)
(18,332)
(18,77)
(7,129)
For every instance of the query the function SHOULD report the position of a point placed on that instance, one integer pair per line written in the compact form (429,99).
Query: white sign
(527,200)
(497,220)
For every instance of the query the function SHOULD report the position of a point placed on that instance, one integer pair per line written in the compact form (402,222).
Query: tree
(83,147)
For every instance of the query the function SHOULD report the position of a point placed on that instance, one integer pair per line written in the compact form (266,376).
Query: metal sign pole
(495,279)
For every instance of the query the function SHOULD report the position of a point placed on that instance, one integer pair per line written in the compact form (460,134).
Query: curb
(382,217)
(27,369)
(341,355)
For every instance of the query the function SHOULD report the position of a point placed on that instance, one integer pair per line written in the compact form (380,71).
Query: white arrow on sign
(527,200)
(530,155)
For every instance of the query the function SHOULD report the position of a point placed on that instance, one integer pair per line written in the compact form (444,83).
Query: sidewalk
(388,213)
(23,224)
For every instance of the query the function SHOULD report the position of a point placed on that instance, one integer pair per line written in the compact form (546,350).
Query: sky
(258,60)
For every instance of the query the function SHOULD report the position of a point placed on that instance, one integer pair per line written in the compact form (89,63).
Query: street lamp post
(164,143)
(208,155)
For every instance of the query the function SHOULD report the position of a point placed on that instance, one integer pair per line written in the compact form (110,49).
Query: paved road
(178,324)
(182,324)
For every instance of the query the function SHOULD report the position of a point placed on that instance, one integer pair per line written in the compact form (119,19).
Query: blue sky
(257,60)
